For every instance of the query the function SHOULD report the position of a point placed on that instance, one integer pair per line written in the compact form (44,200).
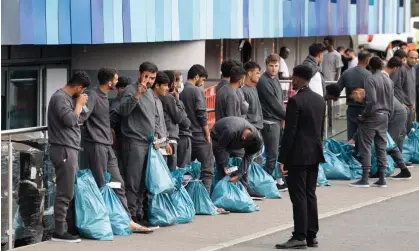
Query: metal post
(10,194)
(326,123)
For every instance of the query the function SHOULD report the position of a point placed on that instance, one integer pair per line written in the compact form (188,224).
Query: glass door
(23,97)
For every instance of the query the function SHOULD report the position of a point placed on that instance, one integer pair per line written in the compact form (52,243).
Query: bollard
(10,194)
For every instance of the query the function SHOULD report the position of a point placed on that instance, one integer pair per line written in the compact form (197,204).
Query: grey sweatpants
(100,159)
(134,163)
(373,129)
(172,159)
(397,129)
(271,134)
(184,150)
(65,161)
(202,151)
(410,117)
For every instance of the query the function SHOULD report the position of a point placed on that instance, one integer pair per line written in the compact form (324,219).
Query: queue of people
(250,116)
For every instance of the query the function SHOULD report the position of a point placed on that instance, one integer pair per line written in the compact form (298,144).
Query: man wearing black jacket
(272,102)
(301,153)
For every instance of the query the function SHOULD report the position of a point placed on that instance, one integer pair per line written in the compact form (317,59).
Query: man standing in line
(283,72)
(345,60)
(301,153)
(313,60)
(353,58)
(354,78)
(332,61)
(271,99)
(373,123)
(64,137)
(405,86)
(138,111)
(98,139)
(228,103)
(174,113)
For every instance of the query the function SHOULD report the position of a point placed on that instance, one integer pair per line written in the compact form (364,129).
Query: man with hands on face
(98,139)
(64,137)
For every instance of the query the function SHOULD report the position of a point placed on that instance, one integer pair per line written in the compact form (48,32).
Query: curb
(280,228)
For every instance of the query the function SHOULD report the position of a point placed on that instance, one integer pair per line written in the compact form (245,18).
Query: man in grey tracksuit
(271,99)
(98,139)
(174,113)
(138,111)
(184,146)
(373,123)
(64,138)
(405,87)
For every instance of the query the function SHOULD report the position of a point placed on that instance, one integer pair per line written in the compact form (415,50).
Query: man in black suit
(301,153)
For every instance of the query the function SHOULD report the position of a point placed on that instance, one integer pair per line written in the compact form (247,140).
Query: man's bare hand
(156,146)
(234,179)
(169,150)
(283,172)
(351,142)
(82,99)
(208,139)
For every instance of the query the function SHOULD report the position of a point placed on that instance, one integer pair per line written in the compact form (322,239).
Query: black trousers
(352,114)
(302,181)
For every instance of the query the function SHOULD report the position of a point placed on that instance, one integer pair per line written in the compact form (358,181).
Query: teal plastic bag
(261,182)
(196,190)
(334,168)
(161,211)
(344,153)
(158,178)
(390,143)
(321,177)
(233,196)
(182,202)
(120,222)
(414,144)
(92,218)
(407,150)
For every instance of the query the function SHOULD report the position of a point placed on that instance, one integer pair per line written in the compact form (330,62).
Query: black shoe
(66,237)
(380,183)
(254,194)
(373,176)
(292,244)
(282,188)
(403,175)
(360,183)
(313,243)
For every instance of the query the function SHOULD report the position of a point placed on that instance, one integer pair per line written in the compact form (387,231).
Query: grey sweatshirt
(244,106)
(97,121)
(174,113)
(138,116)
(311,62)
(63,128)
(195,107)
(185,124)
(220,85)
(254,115)
(352,79)
(115,117)
(379,94)
(160,130)
(405,85)
(271,98)
(227,103)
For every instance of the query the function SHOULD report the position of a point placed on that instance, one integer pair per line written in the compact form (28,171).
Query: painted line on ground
(280,228)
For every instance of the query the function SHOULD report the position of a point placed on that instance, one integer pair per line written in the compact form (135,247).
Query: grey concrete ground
(207,233)
(387,226)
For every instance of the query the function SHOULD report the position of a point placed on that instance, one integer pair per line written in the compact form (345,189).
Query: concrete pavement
(387,226)
(216,232)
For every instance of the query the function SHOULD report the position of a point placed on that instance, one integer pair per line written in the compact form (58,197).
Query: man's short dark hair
(333,90)
(199,70)
(79,78)
(364,55)
(303,71)
(283,49)
(315,49)
(394,62)
(400,53)
(148,66)
(106,74)
(123,82)
(251,66)
(330,39)
(402,44)
(227,65)
(161,79)
(376,64)
(340,48)
(171,75)
(236,74)
(252,143)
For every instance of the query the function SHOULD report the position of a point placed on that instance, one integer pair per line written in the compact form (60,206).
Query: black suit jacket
(302,143)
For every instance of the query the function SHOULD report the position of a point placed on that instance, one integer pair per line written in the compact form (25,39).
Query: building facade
(43,41)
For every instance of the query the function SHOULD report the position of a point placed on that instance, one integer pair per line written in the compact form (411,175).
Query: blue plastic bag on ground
(233,196)
(182,202)
(92,218)
(334,168)
(321,177)
(262,182)
(407,150)
(414,144)
(120,221)
(196,190)
(161,211)
(390,143)
(158,179)
(344,153)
